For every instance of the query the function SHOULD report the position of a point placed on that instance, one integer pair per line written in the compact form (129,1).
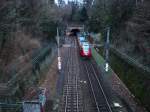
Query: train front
(85,50)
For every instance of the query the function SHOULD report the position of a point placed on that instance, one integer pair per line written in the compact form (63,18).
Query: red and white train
(85,50)
(84,47)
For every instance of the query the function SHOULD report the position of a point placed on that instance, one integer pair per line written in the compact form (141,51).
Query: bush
(49,28)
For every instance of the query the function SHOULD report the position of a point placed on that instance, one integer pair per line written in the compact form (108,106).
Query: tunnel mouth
(74,32)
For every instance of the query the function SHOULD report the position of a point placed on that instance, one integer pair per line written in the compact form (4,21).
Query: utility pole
(59,58)
(136,3)
(92,2)
(107,50)
(104,5)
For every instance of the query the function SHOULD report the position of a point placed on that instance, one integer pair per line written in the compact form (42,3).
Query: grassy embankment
(136,80)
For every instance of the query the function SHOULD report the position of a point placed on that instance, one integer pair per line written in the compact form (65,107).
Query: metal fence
(130,60)
(32,69)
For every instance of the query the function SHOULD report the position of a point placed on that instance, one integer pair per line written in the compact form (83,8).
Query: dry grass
(17,53)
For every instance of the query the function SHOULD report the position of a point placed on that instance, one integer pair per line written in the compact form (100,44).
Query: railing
(25,106)
(139,79)
(44,58)
(34,64)
(130,60)
(30,69)
(11,107)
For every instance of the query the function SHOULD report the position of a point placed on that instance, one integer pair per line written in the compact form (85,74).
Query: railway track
(71,101)
(99,97)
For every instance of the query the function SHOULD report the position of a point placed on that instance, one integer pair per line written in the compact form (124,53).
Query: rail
(71,99)
(100,98)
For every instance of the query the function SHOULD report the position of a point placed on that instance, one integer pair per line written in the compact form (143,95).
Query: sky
(66,1)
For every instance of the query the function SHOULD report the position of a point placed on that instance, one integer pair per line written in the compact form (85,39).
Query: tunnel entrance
(74,32)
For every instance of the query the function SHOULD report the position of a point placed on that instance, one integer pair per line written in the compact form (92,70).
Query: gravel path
(119,87)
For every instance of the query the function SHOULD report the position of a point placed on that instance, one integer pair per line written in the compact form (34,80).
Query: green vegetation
(78,15)
(83,15)
(27,27)
(130,35)
(48,28)
(136,80)
(36,19)
(24,25)
(128,22)
(109,13)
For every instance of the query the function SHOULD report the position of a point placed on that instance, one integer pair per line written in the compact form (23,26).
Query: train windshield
(86,46)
